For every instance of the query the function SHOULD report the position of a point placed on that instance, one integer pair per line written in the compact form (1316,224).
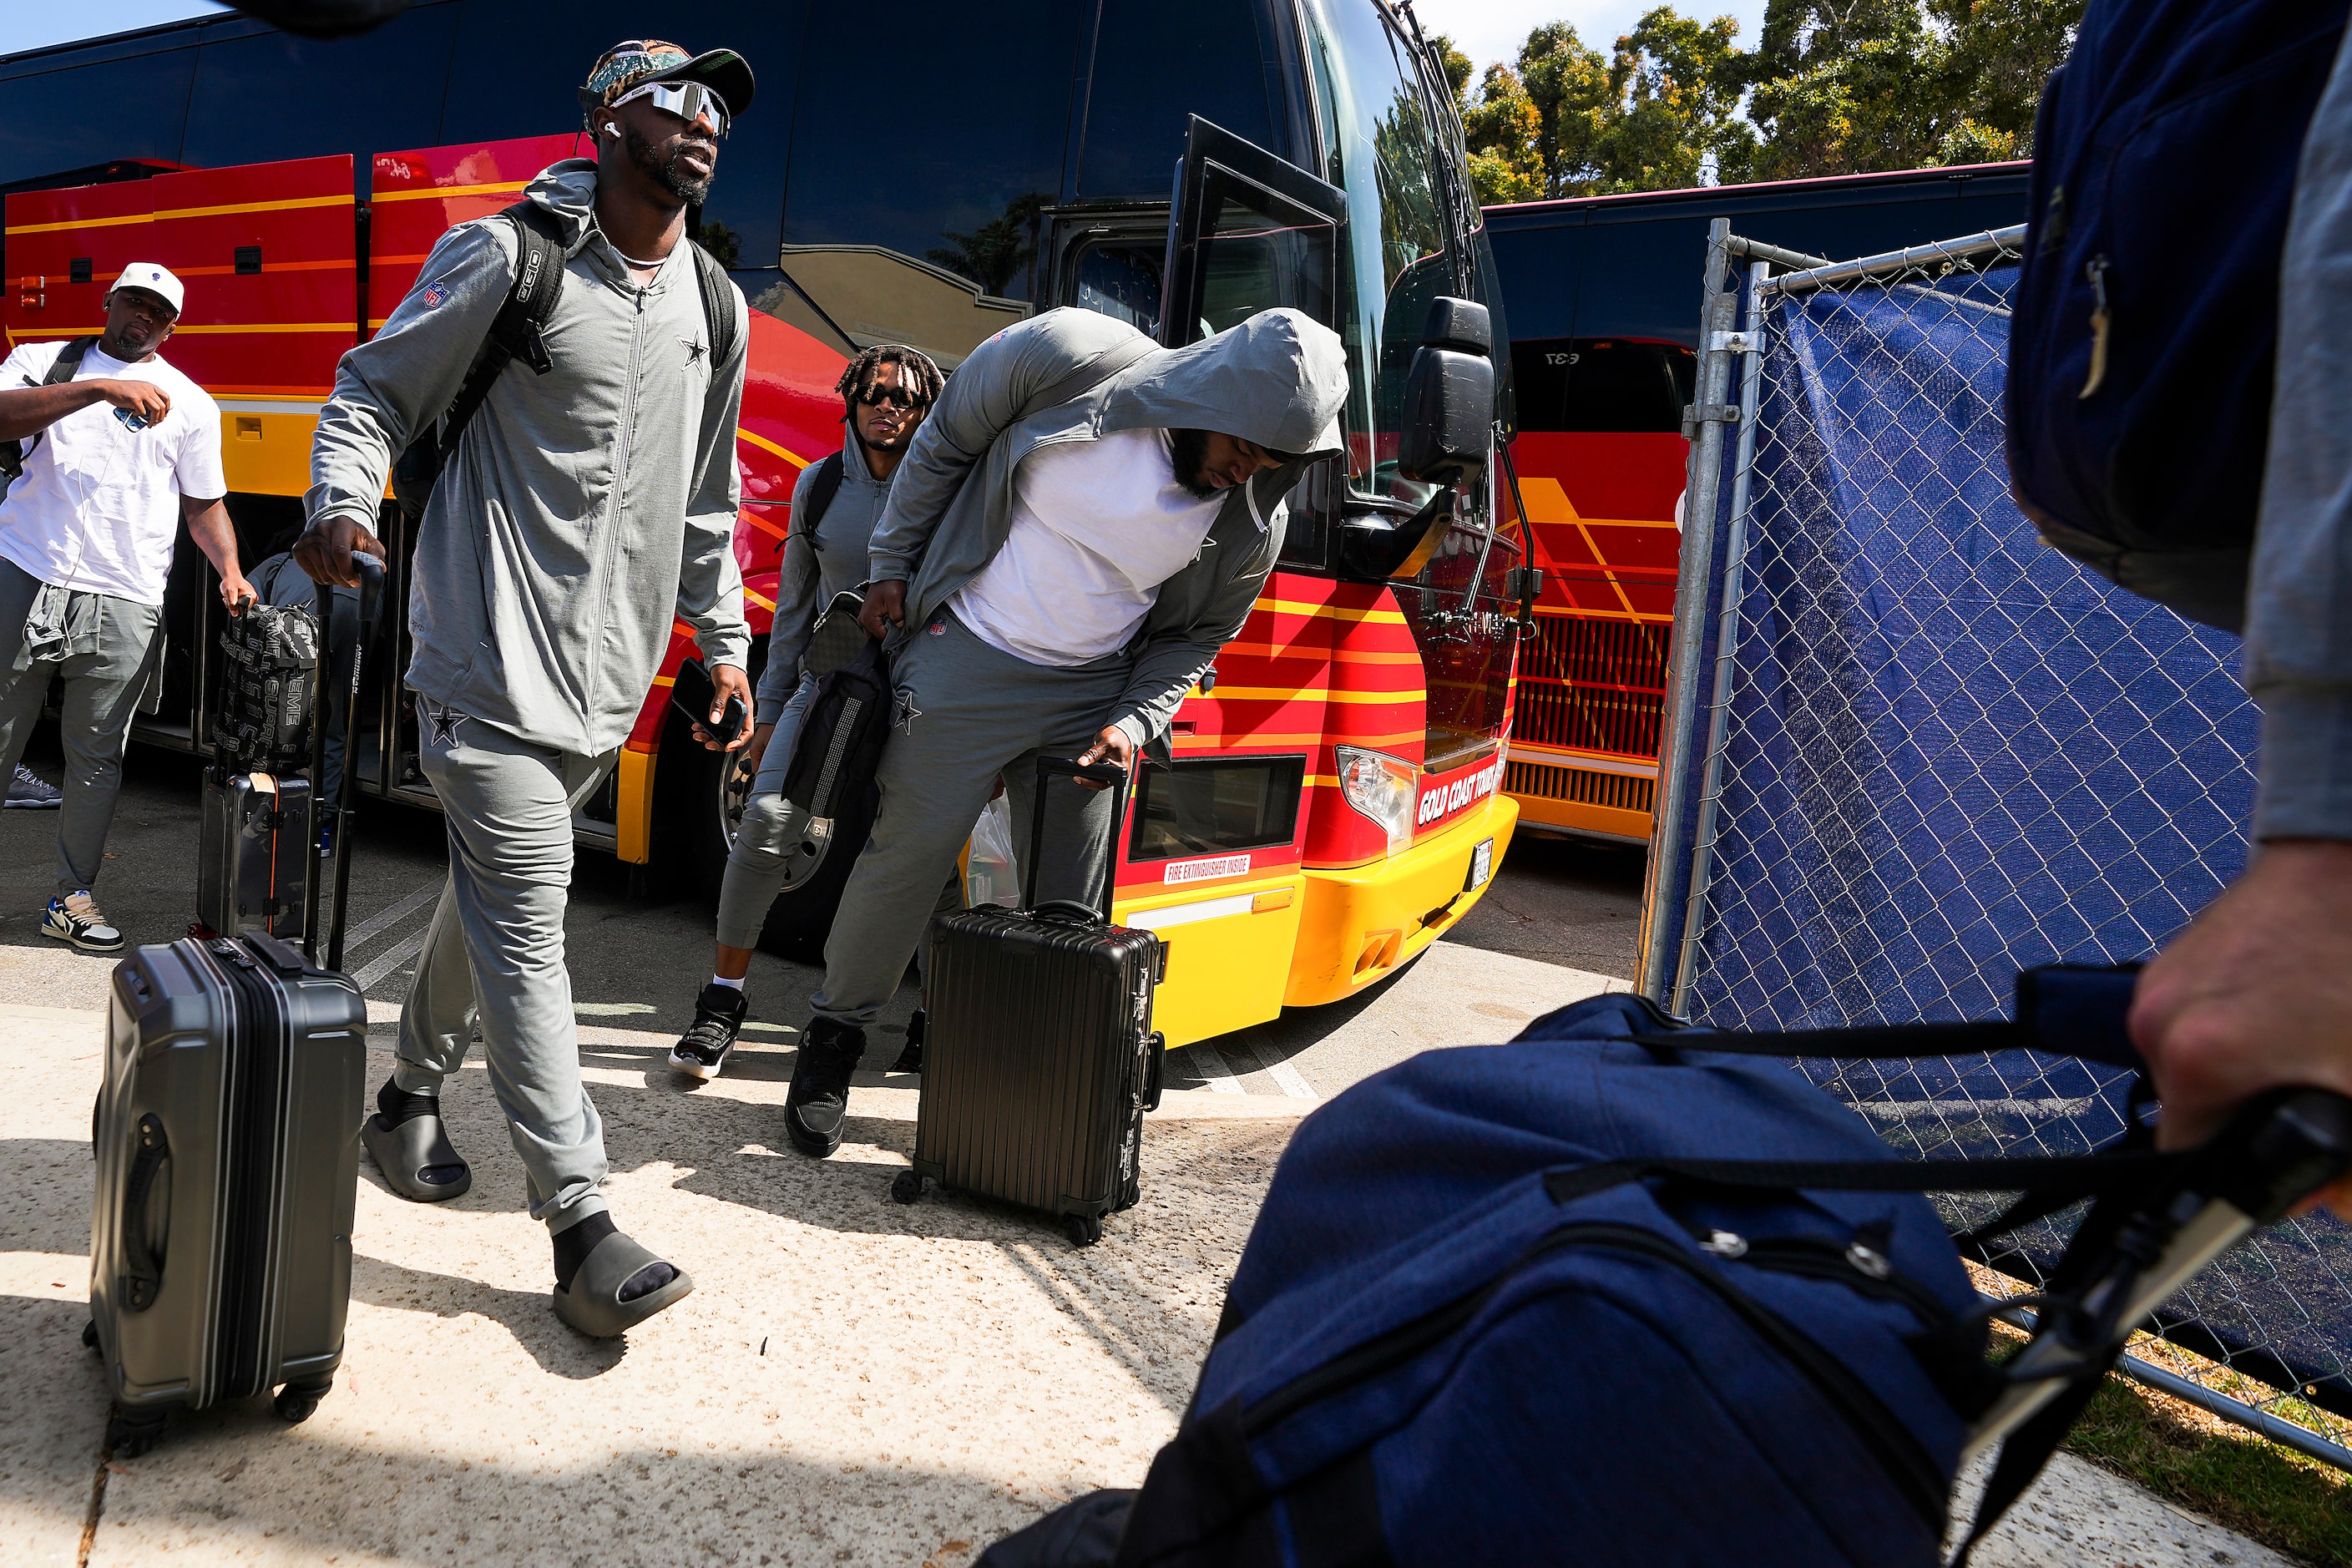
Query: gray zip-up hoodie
(817,563)
(581,509)
(1277,379)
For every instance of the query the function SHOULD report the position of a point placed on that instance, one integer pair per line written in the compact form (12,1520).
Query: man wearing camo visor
(585,503)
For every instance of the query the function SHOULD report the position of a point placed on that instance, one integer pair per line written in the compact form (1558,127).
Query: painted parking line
(1210,1069)
(1285,1076)
(377,968)
(375,925)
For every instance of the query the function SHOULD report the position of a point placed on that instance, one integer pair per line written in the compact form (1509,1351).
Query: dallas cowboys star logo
(695,350)
(445,721)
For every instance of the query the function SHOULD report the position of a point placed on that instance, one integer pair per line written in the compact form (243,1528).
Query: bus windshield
(1384,155)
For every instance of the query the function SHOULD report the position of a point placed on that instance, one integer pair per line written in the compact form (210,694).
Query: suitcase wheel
(296,1401)
(130,1434)
(1082,1231)
(90,1334)
(906,1187)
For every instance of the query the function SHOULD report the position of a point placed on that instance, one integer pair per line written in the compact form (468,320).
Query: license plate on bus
(1482,864)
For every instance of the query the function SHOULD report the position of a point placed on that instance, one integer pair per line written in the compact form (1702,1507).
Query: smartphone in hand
(731,723)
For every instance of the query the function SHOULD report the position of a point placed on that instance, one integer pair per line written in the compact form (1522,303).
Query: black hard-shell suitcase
(226,1141)
(1039,1058)
(255,840)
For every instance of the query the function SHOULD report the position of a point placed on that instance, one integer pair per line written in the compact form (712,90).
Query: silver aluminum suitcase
(227,1141)
(227,1148)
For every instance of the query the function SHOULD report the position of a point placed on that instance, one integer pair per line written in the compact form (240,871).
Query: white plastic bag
(990,877)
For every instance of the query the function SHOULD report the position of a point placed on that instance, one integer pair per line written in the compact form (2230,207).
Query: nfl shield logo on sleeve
(436,294)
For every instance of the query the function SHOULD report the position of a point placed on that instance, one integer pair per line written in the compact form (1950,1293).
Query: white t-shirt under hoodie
(98,504)
(1098,526)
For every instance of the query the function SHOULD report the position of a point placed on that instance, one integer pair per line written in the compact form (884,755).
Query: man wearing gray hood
(581,508)
(1083,521)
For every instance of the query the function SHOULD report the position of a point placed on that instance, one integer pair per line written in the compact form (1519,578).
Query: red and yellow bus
(1604,312)
(926,176)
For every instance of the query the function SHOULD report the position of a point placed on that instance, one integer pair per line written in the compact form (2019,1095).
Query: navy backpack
(1621,1292)
(2145,337)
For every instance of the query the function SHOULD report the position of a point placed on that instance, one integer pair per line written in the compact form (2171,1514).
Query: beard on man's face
(685,187)
(1188,452)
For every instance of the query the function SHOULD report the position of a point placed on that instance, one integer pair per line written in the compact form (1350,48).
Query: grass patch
(2286,1501)
(2191,1458)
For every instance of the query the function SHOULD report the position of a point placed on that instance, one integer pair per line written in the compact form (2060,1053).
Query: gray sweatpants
(494,953)
(969,713)
(102,695)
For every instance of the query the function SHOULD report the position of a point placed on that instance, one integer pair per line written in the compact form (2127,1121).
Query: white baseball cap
(156,280)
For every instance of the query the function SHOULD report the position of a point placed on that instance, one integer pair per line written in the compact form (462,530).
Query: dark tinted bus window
(1602,384)
(261,95)
(1201,808)
(1155,65)
(1539,268)
(1120,279)
(926,150)
(56,119)
(519,64)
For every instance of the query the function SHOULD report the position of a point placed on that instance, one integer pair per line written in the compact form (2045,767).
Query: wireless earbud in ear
(611,129)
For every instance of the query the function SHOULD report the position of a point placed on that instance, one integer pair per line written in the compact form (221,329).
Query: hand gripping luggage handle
(142,1271)
(371,571)
(1095,773)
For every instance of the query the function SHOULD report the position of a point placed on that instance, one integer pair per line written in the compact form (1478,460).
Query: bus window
(918,216)
(1602,384)
(1201,807)
(1120,279)
(1154,68)
(56,119)
(1385,154)
(261,95)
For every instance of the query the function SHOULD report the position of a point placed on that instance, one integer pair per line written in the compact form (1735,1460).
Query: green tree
(1502,130)
(1833,87)
(1898,84)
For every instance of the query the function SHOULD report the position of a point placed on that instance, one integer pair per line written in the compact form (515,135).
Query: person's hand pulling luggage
(2257,993)
(325,549)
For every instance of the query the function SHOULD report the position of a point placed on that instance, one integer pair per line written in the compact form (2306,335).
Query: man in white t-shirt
(1081,521)
(115,455)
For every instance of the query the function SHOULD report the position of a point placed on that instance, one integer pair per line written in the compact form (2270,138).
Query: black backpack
(841,738)
(2146,320)
(14,452)
(517,333)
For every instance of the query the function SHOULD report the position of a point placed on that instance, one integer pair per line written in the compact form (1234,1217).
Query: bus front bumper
(1358,924)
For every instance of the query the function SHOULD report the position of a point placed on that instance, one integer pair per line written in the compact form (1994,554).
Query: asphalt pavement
(1556,924)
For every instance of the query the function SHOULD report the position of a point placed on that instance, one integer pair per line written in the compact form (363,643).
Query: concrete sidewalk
(854,1382)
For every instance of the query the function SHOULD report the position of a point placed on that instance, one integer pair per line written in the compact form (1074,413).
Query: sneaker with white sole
(75,918)
(718,1013)
(28,791)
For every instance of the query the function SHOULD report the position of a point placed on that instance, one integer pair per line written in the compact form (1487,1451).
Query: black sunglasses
(895,396)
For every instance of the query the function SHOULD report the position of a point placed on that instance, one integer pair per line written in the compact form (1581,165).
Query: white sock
(731,985)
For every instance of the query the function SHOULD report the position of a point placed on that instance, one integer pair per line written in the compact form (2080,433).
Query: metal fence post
(1702,427)
(1748,345)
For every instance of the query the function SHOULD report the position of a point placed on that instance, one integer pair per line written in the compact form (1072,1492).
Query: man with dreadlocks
(885,394)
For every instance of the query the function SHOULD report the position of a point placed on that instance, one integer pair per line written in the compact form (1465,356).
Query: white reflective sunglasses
(689,100)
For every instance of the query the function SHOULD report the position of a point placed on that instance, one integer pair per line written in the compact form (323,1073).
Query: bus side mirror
(1449,396)
(1525,584)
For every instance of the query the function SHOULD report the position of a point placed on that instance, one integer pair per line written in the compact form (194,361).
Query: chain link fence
(1911,751)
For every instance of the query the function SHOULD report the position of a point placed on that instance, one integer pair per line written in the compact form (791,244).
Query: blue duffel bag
(1614,1294)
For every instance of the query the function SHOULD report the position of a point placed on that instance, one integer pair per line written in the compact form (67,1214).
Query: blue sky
(1486,30)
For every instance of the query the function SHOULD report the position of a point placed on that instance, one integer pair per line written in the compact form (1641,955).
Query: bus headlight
(1381,788)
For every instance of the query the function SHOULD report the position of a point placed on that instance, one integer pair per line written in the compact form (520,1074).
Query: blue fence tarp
(1951,753)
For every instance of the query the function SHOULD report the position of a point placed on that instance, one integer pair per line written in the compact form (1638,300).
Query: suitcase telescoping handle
(1094,772)
(371,571)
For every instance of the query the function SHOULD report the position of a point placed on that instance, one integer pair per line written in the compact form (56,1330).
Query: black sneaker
(28,791)
(702,1050)
(819,1097)
(910,1059)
